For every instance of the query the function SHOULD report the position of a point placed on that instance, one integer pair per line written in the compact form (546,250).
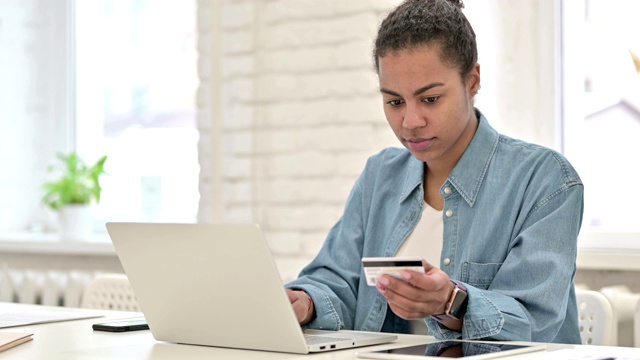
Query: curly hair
(416,23)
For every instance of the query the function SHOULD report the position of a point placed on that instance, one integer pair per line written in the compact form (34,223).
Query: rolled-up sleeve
(333,277)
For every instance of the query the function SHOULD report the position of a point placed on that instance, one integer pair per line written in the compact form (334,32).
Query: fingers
(299,303)
(414,287)
(419,295)
(292,295)
(407,301)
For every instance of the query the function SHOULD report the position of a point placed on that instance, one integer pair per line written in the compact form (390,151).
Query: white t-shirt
(425,241)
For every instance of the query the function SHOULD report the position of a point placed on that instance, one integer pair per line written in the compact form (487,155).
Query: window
(601,77)
(101,77)
(135,102)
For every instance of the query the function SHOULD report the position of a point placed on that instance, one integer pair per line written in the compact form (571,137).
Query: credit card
(374,267)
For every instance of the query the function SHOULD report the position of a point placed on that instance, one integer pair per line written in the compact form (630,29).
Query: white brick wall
(298,113)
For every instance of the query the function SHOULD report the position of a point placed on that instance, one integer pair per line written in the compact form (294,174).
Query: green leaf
(76,183)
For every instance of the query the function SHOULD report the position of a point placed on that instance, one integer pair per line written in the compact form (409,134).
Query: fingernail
(384,281)
(406,275)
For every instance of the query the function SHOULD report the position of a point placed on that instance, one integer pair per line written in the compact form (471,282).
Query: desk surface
(76,340)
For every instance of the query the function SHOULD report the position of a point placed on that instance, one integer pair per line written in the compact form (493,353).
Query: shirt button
(449,213)
(447,261)
(447,190)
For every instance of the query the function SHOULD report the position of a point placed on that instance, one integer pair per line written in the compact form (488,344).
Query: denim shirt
(511,217)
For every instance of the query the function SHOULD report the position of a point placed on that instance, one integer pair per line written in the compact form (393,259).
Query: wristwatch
(457,304)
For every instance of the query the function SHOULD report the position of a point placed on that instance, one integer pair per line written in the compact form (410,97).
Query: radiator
(44,287)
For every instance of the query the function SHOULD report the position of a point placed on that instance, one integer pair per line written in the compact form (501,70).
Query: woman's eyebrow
(427,87)
(417,92)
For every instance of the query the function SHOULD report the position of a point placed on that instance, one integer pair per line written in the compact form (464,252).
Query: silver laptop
(217,285)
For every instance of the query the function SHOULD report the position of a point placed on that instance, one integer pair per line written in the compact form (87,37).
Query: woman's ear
(473,80)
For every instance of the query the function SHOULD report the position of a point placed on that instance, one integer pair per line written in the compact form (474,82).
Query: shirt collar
(467,176)
(469,173)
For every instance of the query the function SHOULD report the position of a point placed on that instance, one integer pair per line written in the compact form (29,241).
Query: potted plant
(71,195)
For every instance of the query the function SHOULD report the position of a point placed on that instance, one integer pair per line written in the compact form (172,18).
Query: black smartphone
(122,325)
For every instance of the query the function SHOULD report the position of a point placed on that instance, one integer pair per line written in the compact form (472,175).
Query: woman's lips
(419,144)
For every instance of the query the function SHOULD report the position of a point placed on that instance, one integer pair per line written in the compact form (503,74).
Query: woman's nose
(413,118)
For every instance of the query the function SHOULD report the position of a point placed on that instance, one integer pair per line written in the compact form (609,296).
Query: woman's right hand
(302,305)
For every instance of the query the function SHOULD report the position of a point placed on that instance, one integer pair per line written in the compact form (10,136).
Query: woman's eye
(394,102)
(431,99)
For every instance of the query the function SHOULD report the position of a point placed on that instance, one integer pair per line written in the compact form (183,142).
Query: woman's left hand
(418,295)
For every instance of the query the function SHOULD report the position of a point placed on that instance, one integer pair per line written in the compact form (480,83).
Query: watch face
(459,304)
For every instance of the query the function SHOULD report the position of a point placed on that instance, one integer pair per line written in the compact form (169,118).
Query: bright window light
(135,84)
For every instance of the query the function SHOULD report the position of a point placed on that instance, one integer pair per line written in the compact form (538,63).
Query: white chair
(624,304)
(110,292)
(581,286)
(596,318)
(636,326)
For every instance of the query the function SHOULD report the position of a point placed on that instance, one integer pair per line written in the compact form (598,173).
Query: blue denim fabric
(511,220)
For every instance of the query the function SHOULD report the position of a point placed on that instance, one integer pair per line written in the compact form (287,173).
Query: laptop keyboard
(317,339)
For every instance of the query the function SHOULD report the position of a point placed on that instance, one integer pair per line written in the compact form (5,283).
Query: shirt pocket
(479,275)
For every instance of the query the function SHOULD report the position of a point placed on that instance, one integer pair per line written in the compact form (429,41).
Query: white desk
(75,339)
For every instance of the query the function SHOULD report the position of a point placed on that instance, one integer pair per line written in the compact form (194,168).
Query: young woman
(496,219)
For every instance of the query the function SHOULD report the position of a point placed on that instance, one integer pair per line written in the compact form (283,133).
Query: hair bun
(457,3)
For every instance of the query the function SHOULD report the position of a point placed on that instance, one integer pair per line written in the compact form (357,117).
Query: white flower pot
(76,222)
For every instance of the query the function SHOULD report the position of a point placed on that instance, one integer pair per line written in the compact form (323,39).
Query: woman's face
(427,104)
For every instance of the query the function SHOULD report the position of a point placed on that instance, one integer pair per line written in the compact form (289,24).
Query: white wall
(289,109)
(298,113)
